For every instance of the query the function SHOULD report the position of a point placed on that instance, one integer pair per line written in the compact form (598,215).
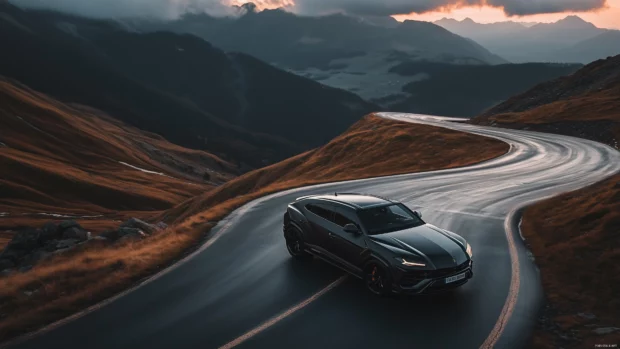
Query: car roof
(357,201)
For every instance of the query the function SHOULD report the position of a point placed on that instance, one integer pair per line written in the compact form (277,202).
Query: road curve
(244,291)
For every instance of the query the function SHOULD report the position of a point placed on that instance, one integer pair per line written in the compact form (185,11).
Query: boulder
(124,231)
(67,243)
(6,264)
(76,233)
(35,257)
(131,234)
(49,231)
(25,240)
(67,224)
(140,224)
(13,254)
(161,226)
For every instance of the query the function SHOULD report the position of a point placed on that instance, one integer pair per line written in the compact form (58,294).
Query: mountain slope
(299,42)
(466,91)
(71,159)
(175,85)
(585,104)
(543,42)
(601,46)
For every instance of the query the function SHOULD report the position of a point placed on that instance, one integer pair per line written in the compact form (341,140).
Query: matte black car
(379,240)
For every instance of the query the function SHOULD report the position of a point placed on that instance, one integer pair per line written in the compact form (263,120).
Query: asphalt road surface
(243,290)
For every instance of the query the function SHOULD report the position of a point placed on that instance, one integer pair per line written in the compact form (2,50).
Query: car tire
(295,244)
(377,279)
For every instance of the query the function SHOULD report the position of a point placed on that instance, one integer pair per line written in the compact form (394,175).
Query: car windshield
(385,219)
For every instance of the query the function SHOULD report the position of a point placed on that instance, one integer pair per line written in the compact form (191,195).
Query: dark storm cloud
(395,7)
(166,9)
(530,7)
(174,8)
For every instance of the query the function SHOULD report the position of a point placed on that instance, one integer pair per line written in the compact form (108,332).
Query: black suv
(379,240)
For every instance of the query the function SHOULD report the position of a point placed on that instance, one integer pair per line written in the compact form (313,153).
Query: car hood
(438,248)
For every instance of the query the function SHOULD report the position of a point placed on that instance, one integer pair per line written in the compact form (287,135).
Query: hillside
(411,148)
(100,271)
(585,104)
(203,99)
(59,159)
(466,91)
(601,46)
(574,238)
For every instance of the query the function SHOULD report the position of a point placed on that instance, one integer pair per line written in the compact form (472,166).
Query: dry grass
(67,159)
(585,104)
(576,241)
(372,147)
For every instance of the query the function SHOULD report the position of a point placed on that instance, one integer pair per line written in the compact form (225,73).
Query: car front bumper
(419,282)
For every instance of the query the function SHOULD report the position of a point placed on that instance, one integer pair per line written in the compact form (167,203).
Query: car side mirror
(418,213)
(351,228)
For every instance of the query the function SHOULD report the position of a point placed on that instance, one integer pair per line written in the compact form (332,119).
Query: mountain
(73,159)
(542,42)
(601,46)
(585,104)
(341,51)
(478,31)
(466,91)
(299,42)
(178,86)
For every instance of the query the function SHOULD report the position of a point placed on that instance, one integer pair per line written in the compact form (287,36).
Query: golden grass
(372,147)
(595,106)
(576,241)
(64,158)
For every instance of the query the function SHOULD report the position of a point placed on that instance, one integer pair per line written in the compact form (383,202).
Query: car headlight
(411,263)
(468,250)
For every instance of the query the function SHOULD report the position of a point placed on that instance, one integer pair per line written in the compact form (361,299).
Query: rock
(35,257)
(62,244)
(131,234)
(50,231)
(76,233)
(606,330)
(25,240)
(161,226)
(14,254)
(587,316)
(99,238)
(6,264)
(139,224)
(123,231)
(64,225)
(6,272)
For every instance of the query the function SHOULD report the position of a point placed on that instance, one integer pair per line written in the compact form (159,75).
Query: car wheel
(377,279)
(295,244)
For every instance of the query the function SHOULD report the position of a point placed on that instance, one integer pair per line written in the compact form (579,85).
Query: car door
(319,217)
(349,247)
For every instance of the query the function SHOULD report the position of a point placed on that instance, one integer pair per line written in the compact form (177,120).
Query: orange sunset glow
(608,17)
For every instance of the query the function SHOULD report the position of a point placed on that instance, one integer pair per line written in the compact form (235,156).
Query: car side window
(341,220)
(320,211)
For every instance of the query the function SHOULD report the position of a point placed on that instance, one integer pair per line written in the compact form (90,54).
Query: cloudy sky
(604,13)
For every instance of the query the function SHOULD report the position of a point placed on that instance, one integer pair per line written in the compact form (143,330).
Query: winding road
(242,290)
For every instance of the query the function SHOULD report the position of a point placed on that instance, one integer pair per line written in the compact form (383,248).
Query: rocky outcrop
(29,246)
